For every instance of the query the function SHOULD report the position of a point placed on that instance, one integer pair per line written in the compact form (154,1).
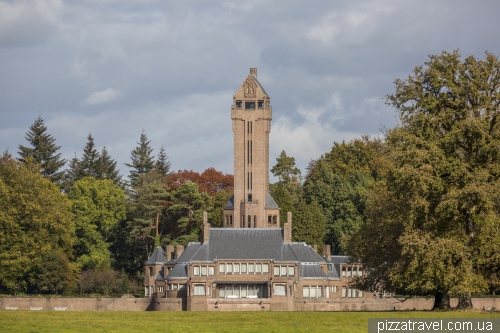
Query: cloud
(28,23)
(103,96)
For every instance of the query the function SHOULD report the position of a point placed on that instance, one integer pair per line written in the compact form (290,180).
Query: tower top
(253,71)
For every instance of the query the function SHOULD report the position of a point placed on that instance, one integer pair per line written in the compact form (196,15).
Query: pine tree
(42,151)
(106,168)
(162,165)
(142,161)
(89,163)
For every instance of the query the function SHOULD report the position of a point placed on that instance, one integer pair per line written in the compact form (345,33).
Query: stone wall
(223,304)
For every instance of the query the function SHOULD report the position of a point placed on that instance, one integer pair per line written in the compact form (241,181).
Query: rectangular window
(349,271)
(269,217)
(279,290)
(222,293)
(343,271)
(236,268)
(243,291)
(182,287)
(199,290)
(249,105)
(260,104)
(222,268)
(211,270)
(344,291)
(360,293)
(313,292)
(229,268)
(243,268)
(283,270)
(291,271)
(238,104)
(249,221)
(265,268)
(305,291)
(204,271)
(360,271)
(175,287)
(196,270)
(319,292)
(258,268)
(276,271)
(150,271)
(250,268)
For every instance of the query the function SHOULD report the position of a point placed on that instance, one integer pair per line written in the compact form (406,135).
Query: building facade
(251,263)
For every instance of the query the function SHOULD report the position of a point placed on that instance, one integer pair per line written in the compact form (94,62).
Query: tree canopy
(142,160)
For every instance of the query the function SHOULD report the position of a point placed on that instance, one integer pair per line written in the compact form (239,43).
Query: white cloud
(103,96)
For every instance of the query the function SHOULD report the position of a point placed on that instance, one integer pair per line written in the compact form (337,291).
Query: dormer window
(249,105)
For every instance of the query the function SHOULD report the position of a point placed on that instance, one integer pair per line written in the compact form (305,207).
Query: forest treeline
(418,206)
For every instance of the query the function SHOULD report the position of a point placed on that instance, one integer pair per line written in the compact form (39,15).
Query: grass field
(49,321)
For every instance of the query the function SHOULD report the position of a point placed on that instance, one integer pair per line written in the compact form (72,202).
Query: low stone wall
(214,304)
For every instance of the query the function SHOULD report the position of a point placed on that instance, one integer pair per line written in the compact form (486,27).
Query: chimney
(315,248)
(178,251)
(326,252)
(206,228)
(169,252)
(287,229)
(253,71)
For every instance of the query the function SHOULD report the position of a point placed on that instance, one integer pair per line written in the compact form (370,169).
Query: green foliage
(34,220)
(53,273)
(142,161)
(309,224)
(162,165)
(43,151)
(284,199)
(444,186)
(285,168)
(98,206)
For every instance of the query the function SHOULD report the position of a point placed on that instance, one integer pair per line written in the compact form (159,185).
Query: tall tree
(309,224)
(444,187)
(43,151)
(98,205)
(285,168)
(34,220)
(88,165)
(106,168)
(142,160)
(162,164)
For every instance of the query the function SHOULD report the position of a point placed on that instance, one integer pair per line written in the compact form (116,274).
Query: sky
(116,68)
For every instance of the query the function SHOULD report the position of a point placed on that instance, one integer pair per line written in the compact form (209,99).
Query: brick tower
(251,206)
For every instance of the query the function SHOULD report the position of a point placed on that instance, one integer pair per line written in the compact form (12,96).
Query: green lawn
(50,321)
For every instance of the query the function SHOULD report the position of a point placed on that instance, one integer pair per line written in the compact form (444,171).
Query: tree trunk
(441,301)
(464,301)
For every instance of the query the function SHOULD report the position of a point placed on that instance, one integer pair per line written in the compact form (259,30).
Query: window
(279,290)
(227,220)
(199,290)
(269,218)
(258,268)
(283,270)
(349,271)
(249,221)
(305,292)
(238,104)
(150,271)
(249,105)
(236,268)
(250,268)
(196,270)
(276,271)
(211,270)
(182,287)
(175,287)
(333,289)
(243,268)
(330,267)
(291,271)
(275,219)
(222,268)
(344,291)
(160,289)
(343,271)
(204,271)
(265,268)
(230,219)
(260,104)
(229,268)
(360,293)
(312,291)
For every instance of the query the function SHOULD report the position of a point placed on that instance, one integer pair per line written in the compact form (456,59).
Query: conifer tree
(162,165)
(89,163)
(42,151)
(142,161)
(106,168)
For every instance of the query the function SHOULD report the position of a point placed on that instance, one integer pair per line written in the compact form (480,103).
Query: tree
(53,273)
(162,165)
(98,206)
(444,187)
(285,168)
(34,220)
(142,161)
(285,200)
(309,224)
(88,165)
(106,168)
(42,151)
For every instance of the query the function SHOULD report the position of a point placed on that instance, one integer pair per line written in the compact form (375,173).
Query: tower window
(249,197)
(260,104)
(249,221)
(238,104)
(249,105)
(255,221)
(230,219)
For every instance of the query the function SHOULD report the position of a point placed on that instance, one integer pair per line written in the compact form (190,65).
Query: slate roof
(270,203)
(338,259)
(311,271)
(230,203)
(178,272)
(158,257)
